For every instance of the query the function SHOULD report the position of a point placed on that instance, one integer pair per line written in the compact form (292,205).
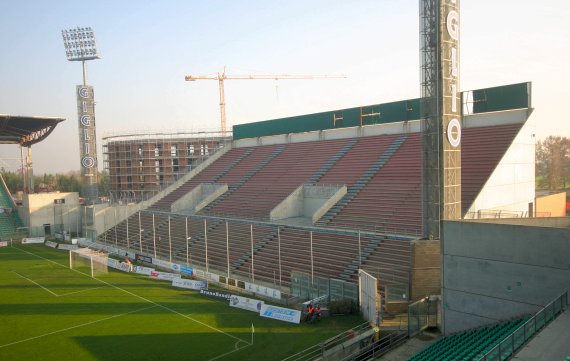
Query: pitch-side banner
(186,270)
(165,264)
(143,270)
(189,284)
(215,294)
(248,304)
(3,243)
(262,290)
(51,244)
(33,240)
(280,313)
(163,276)
(67,247)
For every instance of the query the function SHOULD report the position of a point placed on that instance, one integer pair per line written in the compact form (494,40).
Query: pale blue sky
(148,47)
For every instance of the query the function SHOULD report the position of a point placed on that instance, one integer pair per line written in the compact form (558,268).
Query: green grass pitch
(49,312)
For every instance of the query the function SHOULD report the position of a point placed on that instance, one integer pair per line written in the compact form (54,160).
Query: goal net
(88,261)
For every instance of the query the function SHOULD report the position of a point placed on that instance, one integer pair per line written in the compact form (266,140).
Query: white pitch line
(230,352)
(141,297)
(37,284)
(76,326)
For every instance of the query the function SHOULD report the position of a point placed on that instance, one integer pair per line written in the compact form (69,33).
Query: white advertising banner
(125,267)
(121,266)
(280,313)
(165,264)
(113,263)
(51,244)
(67,247)
(245,303)
(33,240)
(163,276)
(143,270)
(199,273)
(214,277)
(3,243)
(189,284)
(262,290)
(78,240)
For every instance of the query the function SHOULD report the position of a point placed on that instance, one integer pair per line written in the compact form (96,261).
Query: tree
(553,162)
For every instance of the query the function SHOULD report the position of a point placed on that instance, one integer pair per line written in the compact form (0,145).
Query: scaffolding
(142,163)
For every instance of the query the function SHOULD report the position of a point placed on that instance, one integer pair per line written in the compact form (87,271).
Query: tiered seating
(391,201)
(359,159)
(383,175)
(390,260)
(287,171)
(470,345)
(9,220)
(331,254)
(481,151)
(221,166)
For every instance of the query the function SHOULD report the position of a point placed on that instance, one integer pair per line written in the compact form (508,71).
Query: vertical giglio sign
(80,46)
(451,110)
(87,137)
(440,113)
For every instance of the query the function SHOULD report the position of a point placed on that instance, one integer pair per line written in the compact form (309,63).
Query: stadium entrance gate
(369,298)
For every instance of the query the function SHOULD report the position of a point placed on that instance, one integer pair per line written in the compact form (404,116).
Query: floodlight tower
(80,46)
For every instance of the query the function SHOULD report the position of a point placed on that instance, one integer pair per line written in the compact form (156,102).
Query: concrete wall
(511,186)
(426,269)
(199,197)
(290,207)
(39,209)
(553,205)
(494,272)
(319,199)
(308,201)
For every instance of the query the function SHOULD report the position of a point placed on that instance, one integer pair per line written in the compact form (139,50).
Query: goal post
(89,261)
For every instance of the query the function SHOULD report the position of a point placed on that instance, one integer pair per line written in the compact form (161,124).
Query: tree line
(68,182)
(553,163)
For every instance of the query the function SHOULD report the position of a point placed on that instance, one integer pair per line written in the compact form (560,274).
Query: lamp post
(80,45)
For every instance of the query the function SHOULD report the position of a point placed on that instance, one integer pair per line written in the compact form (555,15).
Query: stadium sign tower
(440,113)
(80,45)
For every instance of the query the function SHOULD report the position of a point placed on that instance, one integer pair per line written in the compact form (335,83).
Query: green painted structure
(514,96)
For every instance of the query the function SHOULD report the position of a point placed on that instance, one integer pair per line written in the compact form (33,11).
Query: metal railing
(494,214)
(317,351)
(378,348)
(521,335)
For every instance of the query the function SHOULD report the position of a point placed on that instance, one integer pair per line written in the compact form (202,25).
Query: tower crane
(221,77)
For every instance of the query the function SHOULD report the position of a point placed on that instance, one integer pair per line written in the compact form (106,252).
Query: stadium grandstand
(323,195)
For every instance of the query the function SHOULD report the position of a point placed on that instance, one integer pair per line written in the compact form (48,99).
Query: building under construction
(142,163)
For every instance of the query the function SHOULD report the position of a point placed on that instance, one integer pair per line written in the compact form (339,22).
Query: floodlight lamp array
(80,44)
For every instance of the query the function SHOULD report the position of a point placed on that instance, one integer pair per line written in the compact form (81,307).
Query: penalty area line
(37,284)
(74,327)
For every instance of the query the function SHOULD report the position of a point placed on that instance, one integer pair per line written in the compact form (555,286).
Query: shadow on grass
(153,347)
